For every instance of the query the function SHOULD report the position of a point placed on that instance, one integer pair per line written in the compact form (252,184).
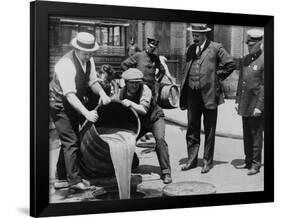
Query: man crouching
(137,95)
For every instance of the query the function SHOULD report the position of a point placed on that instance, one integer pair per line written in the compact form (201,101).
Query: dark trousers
(195,110)
(253,138)
(158,131)
(66,121)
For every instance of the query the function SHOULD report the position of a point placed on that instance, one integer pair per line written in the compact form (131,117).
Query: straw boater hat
(254,35)
(133,75)
(85,42)
(199,28)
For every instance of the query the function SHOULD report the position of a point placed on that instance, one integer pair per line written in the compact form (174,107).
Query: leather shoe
(60,184)
(167,179)
(243,166)
(80,186)
(253,171)
(188,166)
(206,168)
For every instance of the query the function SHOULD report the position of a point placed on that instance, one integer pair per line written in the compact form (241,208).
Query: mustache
(195,41)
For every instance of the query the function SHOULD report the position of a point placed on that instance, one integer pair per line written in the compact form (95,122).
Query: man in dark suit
(250,100)
(201,92)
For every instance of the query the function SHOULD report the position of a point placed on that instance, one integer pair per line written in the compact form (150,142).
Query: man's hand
(257,112)
(92,116)
(236,107)
(126,102)
(105,99)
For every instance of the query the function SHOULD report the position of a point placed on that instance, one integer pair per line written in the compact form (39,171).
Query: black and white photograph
(144,108)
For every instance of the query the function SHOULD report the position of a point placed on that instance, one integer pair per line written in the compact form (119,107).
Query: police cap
(254,35)
(152,42)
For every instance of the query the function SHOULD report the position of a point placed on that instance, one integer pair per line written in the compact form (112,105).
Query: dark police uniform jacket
(147,64)
(212,55)
(250,90)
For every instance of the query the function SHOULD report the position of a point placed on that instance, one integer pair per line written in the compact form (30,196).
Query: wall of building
(174,38)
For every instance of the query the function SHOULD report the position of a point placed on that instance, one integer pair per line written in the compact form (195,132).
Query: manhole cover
(189,188)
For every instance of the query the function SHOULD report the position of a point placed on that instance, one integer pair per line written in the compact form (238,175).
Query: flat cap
(132,74)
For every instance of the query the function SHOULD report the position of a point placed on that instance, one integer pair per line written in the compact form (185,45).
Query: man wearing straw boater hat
(250,100)
(201,93)
(137,95)
(74,76)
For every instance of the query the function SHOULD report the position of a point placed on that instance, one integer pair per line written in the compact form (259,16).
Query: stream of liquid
(122,147)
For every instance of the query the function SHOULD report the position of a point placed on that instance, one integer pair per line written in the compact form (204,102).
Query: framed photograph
(141,109)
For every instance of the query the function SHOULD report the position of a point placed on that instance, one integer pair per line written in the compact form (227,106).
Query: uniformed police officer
(250,100)
(147,62)
(137,95)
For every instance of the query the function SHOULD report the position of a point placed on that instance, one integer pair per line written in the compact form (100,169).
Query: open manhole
(115,195)
(189,188)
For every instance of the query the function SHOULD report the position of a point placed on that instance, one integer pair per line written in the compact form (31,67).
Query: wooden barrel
(95,157)
(168,96)
(188,188)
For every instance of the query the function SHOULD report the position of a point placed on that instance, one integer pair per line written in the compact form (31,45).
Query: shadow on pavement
(200,162)
(146,144)
(148,169)
(237,162)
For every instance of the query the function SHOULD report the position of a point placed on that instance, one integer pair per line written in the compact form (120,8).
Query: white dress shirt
(66,72)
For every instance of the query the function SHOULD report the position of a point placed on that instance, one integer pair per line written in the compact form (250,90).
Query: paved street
(228,153)
(224,176)
(228,121)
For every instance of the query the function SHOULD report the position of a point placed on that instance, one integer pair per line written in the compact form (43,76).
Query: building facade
(113,36)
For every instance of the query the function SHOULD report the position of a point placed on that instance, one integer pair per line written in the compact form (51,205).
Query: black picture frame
(39,133)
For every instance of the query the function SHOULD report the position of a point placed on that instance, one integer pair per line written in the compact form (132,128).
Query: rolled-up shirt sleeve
(65,71)
(93,73)
(146,97)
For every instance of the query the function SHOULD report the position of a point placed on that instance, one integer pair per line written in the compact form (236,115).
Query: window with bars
(111,39)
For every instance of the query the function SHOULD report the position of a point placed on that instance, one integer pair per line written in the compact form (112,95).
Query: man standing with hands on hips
(201,93)
(250,100)
(74,75)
